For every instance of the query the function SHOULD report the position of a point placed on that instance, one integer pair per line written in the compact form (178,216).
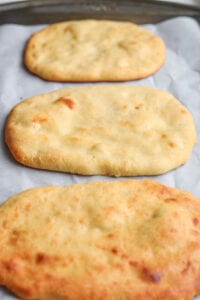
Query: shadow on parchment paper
(8,293)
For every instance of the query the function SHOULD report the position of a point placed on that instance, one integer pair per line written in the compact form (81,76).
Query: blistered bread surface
(111,130)
(94,50)
(103,240)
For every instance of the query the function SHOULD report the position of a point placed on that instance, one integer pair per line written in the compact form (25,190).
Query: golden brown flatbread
(115,130)
(106,240)
(94,50)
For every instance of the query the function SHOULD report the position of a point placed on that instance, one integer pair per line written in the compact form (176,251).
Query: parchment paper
(180,76)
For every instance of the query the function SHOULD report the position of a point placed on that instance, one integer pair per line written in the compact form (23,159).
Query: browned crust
(10,142)
(89,79)
(18,139)
(114,77)
(31,273)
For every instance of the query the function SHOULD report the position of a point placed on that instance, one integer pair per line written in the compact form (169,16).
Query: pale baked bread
(106,240)
(111,130)
(92,50)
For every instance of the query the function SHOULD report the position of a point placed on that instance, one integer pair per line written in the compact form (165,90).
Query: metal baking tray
(138,11)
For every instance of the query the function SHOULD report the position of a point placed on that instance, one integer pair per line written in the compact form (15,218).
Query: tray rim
(41,3)
(34,12)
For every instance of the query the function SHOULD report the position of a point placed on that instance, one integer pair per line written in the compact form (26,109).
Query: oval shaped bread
(94,50)
(111,130)
(105,240)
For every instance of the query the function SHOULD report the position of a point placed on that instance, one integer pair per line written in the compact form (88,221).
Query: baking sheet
(180,76)
(139,11)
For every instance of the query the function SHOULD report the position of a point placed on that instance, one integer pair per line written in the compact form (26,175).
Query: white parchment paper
(180,76)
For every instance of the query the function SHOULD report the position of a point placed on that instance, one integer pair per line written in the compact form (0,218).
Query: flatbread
(110,130)
(105,240)
(94,50)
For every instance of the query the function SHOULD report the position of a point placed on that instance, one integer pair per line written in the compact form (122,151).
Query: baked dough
(117,130)
(105,240)
(94,50)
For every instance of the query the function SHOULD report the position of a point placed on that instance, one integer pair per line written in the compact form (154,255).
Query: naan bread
(115,130)
(92,50)
(106,240)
